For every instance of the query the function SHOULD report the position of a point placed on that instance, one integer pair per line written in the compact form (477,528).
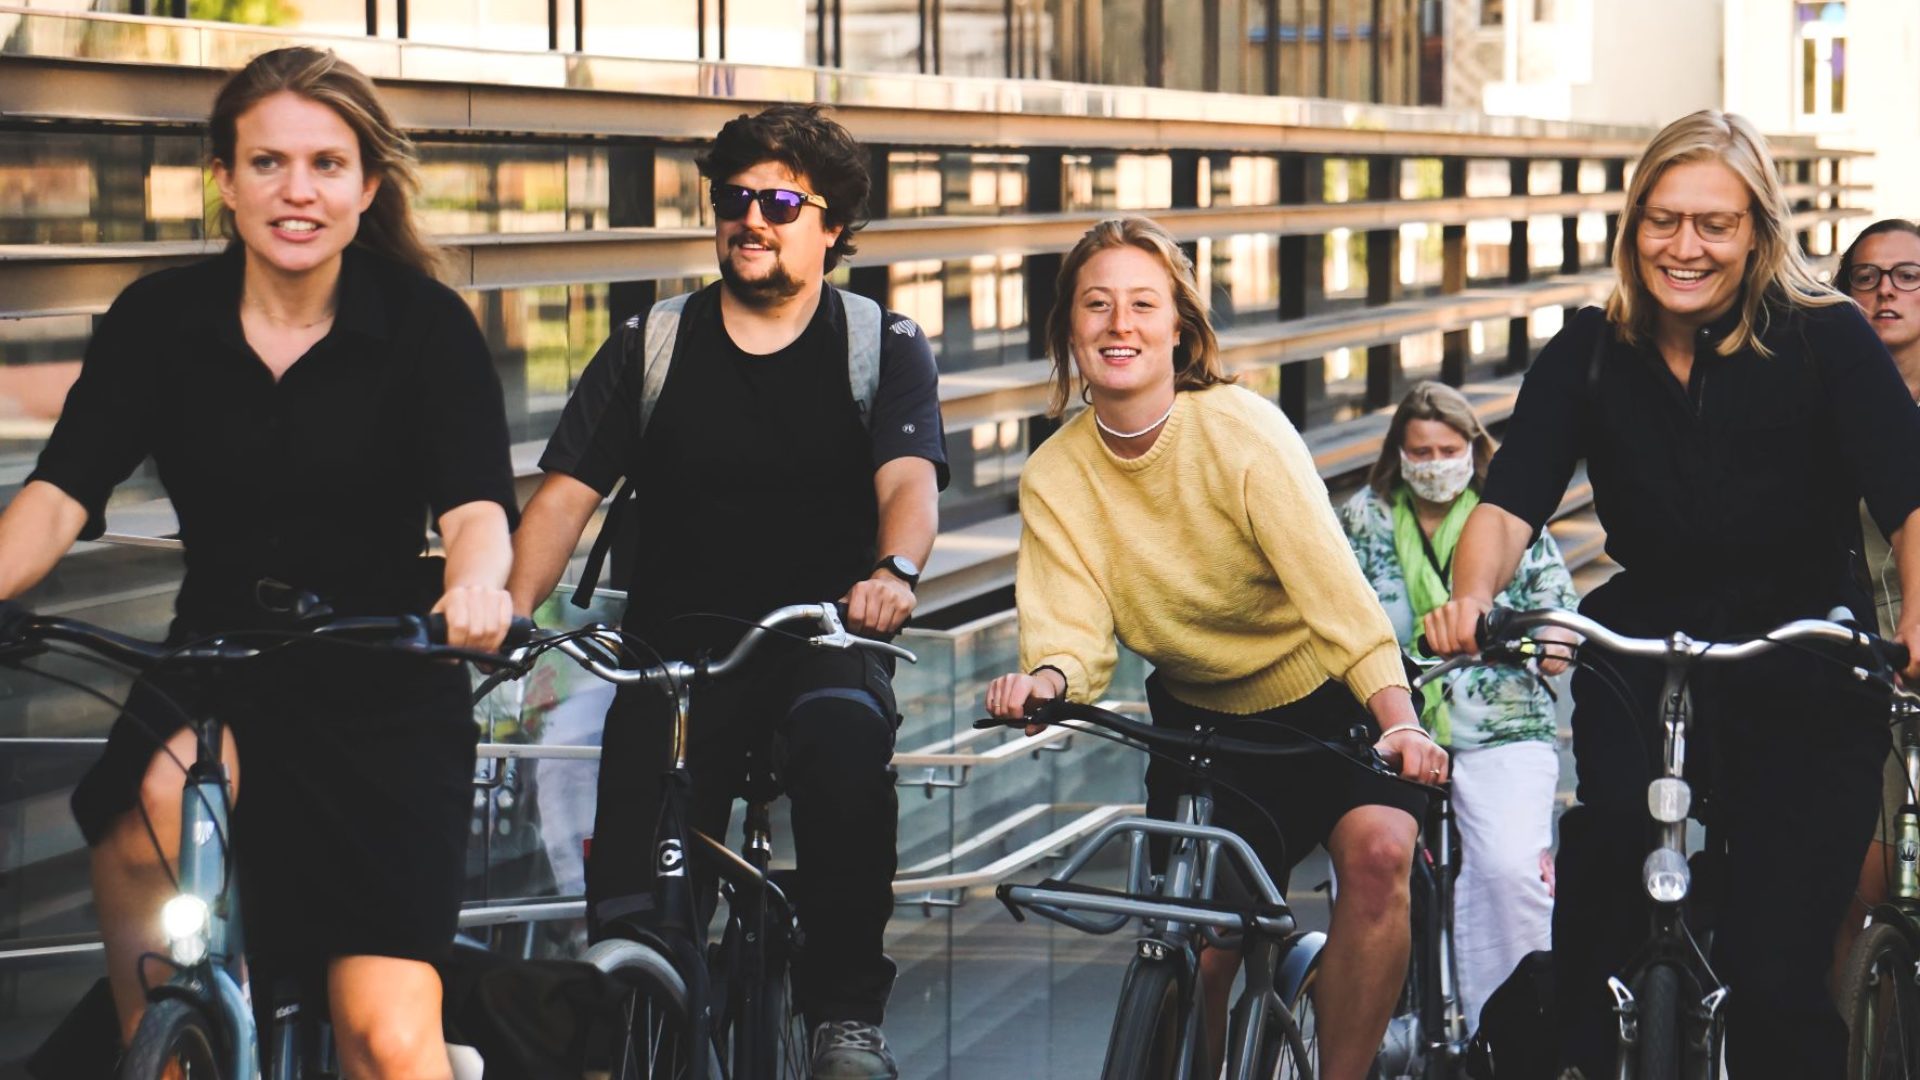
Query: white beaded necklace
(1134,434)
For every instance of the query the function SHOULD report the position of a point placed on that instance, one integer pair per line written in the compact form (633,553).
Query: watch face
(905,565)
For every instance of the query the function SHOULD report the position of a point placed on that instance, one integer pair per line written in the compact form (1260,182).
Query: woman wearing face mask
(1497,722)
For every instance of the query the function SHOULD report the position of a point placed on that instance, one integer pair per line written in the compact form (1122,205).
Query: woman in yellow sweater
(1183,516)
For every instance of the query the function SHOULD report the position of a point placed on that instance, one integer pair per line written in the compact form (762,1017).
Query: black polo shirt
(1731,503)
(327,479)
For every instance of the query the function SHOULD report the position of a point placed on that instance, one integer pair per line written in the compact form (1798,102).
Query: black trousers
(1787,749)
(828,719)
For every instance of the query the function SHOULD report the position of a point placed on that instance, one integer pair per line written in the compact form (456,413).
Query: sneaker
(851,1050)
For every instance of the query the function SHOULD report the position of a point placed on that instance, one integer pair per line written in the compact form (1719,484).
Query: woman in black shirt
(1732,412)
(309,397)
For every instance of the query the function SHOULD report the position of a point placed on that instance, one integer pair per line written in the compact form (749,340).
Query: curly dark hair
(810,144)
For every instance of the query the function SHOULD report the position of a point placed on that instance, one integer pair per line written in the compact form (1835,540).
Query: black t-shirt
(1730,503)
(755,477)
(325,480)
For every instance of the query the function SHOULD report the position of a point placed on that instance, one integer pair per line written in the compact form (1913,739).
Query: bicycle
(1880,986)
(669,1029)
(199,1023)
(1158,1030)
(1670,1003)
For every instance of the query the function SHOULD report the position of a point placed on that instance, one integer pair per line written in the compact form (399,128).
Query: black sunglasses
(778,205)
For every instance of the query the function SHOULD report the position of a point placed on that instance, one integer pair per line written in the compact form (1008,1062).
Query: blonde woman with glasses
(1732,411)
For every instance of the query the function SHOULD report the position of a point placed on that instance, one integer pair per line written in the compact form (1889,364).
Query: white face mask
(1440,480)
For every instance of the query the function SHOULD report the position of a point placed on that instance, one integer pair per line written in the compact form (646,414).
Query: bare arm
(550,529)
(1489,552)
(1905,542)
(479,552)
(908,493)
(37,528)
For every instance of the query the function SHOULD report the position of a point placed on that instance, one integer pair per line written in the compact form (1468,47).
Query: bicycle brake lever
(841,639)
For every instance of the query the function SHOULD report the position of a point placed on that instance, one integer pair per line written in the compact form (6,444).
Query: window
(1823,58)
(973,37)
(1493,12)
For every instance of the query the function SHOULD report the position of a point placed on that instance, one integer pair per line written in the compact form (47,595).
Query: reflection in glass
(1118,181)
(317,16)
(1346,264)
(973,37)
(1420,355)
(1043,39)
(505,188)
(1240,180)
(1545,242)
(1422,258)
(1302,39)
(1487,250)
(1240,276)
(61,188)
(679,192)
(488,24)
(762,32)
(662,30)
(1486,176)
(1421,178)
(1343,390)
(1122,45)
(1593,175)
(1545,322)
(1590,232)
(1185,50)
(541,340)
(921,184)
(973,311)
(880,35)
(1350,49)
(1345,179)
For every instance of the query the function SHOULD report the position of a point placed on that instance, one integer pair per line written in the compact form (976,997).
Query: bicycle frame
(1904,890)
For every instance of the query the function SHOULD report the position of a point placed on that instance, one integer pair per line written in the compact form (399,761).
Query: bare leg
(386,1019)
(1871,892)
(129,882)
(1217,969)
(1365,961)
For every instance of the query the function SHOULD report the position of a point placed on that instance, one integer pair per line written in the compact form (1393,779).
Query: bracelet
(1409,726)
(1063,676)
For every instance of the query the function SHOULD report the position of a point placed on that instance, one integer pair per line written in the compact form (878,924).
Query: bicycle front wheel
(648,1040)
(1149,1026)
(1290,1049)
(175,1041)
(1656,1053)
(1882,1005)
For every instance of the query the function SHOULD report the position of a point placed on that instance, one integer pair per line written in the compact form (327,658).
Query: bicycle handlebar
(601,657)
(1160,738)
(424,635)
(1505,627)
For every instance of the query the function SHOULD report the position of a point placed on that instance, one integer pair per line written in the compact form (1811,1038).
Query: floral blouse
(1489,706)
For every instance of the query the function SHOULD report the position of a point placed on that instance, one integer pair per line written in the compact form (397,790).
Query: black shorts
(1306,794)
(356,791)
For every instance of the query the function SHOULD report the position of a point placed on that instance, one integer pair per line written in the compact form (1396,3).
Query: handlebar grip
(13,619)
(1892,653)
(1492,627)
(519,631)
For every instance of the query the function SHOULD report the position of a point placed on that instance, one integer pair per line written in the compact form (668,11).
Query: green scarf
(1426,589)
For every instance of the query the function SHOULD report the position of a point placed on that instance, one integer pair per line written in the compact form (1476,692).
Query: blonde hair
(1777,272)
(1196,358)
(388,226)
(1430,401)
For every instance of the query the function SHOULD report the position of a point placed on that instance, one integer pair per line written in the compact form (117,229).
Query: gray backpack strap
(663,329)
(864,325)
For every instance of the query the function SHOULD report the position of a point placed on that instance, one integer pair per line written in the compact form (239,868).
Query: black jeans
(829,719)
(1788,749)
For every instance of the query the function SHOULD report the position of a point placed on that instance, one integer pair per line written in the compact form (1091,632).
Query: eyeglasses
(1865,277)
(778,205)
(1713,226)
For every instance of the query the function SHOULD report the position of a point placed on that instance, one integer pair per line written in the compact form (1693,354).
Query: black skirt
(355,794)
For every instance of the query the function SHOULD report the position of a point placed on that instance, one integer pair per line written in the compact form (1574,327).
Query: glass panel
(1043,39)
(1487,251)
(1591,234)
(1240,276)
(317,16)
(1350,50)
(487,24)
(1545,242)
(679,192)
(63,188)
(668,30)
(1420,355)
(764,32)
(819,33)
(1123,42)
(1593,176)
(1185,49)
(1343,390)
(1242,180)
(1243,46)
(1543,177)
(973,37)
(541,339)
(1488,176)
(1422,258)
(1345,179)
(1301,37)
(880,35)
(927,183)
(1346,264)
(1118,181)
(504,188)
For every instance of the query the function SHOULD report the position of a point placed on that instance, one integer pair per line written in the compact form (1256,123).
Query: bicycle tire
(649,1040)
(1146,1042)
(1291,1048)
(173,1032)
(1882,1006)
(1657,1050)
(779,1032)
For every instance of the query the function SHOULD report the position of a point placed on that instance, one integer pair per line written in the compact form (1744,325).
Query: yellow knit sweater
(1215,555)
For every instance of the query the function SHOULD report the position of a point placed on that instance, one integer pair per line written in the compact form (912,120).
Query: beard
(768,289)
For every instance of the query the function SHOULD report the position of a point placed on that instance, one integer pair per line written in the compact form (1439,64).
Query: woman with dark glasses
(1732,411)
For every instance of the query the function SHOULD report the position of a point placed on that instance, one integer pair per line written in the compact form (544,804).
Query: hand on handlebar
(1451,628)
(477,616)
(880,605)
(1016,694)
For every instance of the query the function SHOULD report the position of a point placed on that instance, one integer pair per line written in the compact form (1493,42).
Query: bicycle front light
(185,920)
(1669,799)
(1666,876)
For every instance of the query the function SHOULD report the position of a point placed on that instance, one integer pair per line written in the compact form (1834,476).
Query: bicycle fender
(1904,922)
(234,1011)
(1302,950)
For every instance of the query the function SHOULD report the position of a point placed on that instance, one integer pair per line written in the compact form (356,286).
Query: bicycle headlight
(185,919)
(1669,799)
(1666,876)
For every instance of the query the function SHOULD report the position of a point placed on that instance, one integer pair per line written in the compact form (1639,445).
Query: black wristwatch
(901,567)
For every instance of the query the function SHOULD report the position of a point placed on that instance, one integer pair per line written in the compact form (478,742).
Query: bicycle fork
(203,937)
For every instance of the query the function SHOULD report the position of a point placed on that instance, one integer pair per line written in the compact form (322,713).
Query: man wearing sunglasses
(766,468)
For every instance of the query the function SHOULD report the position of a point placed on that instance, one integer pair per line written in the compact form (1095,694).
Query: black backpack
(1519,1027)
